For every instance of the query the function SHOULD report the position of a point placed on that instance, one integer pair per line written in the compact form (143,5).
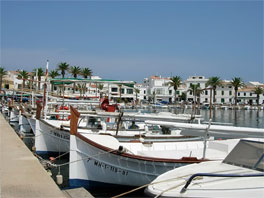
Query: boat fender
(52,159)
(121,149)
(49,172)
(59,179)
(33,148)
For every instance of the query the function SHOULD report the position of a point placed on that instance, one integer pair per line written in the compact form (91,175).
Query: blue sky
(131,40)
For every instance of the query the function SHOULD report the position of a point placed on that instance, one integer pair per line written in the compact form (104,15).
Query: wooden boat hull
(92,166)
(51,140)
(24,125)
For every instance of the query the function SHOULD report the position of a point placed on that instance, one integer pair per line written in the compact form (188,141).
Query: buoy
(59,179)
(33,148)
(49,172)
(141,140)
(52,159)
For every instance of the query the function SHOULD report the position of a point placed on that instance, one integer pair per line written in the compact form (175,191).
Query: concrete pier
(21,173)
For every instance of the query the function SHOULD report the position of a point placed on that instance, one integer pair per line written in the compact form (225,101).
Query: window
(190,92)
(238,94)
(170,92)
(122,91)
(129,91)
(245,94)
(206,92)
(114,89)
(222,100)
(250,94)
(230,87)
(177,92)
(206,99)
(223,93)
(230,100)
(144,91)
(230,93)
(199,84)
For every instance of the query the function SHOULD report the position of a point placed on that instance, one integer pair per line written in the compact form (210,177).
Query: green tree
(75,71)
(214,82)
(40,73)
(3,72)
(120,89)
(53,74)
(137,92)
(237,83)
(175,82)
(258,90)
(85,72)
(63,67)
(81,87)
(23,75)
(100,87)
(196,90)
(183,96)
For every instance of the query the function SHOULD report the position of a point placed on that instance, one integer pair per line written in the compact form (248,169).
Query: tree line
(211,84)
(175,81)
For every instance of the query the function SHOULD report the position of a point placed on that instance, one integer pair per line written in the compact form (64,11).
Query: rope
(153,183)
(140,187)
(59,165)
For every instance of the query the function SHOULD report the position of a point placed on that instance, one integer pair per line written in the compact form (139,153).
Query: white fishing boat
(100,161)
(14,115)
(240,174)
(52,136)
(50,139)
(24,126)
(209,129)
(32,123)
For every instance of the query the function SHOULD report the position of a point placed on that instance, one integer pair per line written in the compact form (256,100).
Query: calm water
(243,118)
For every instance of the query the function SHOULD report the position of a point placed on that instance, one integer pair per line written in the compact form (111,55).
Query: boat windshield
(249,154)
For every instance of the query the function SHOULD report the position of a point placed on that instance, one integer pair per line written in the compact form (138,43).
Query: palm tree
(137,92)
(214,82)
(63,67)
(237,83)
(53,74)
(100,87)
(2,74)
(40,73)
(175,82)
(196,90)
(81,88)
(85,72)
(23,75)
(258,90)
(119,86)
(75,71)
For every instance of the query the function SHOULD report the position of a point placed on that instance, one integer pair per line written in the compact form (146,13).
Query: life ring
(64,108)
(61,117)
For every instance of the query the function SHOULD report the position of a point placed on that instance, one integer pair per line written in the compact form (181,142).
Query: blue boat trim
(88,184)
(50,153)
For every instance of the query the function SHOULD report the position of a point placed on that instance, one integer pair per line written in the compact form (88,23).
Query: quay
(21,173)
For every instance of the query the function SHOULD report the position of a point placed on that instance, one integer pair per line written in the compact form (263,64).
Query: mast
(45,90)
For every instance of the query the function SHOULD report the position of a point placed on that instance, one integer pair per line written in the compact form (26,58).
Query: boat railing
(183,190)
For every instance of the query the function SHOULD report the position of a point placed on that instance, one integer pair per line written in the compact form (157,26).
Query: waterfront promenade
(21,174)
